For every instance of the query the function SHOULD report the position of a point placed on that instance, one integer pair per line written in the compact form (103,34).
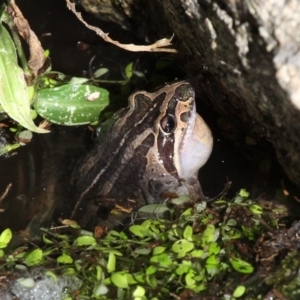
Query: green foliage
(71,104)
(14,96)
(154,258)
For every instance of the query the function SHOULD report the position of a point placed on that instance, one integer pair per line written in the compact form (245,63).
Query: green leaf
(256,209)
(99,272)
(111,264)
(210,234)
(100,72)
(214,248)
(14,97)
(154,208)
(64,259)
(188,232)
(129,70)
(158,250)
(139,230)
(151,270)
(119,280)
(6,236)
(34,257)
(244,193)
(162,259)
(85,240)
(189,278)
(5,149)
(182,246)
(139,292)
(71,104)
(182,269)
(142,250)
(239,291)
(241,266)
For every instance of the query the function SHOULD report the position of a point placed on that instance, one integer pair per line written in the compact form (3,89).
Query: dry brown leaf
(158,46)
(37,57)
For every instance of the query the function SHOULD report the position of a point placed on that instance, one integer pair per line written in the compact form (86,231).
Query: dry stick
(5,192)
(158,46)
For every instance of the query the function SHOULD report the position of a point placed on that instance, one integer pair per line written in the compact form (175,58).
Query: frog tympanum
(152,149)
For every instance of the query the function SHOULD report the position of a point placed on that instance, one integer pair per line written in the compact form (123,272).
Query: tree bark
(243,55)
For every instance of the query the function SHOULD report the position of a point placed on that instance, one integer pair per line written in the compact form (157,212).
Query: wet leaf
(14,97)
(69,104)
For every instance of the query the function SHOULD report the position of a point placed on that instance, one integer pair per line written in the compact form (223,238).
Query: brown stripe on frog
(130,133)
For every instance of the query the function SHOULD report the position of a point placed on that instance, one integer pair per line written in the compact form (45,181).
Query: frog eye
(168,124)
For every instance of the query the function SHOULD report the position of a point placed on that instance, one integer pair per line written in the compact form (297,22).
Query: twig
(158,46)
(5,192)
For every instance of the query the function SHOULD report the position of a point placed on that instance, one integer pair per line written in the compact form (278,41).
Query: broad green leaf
(85,240)
(119,280)
(64,259)
(139,292)
(139,230)
(151,270)
(34,257)
(158,250)
(163,259)
(182,269)
(182,246)
(6,236)
(71,104)
(239,291)
(14,97)
(244,193)
(187,233)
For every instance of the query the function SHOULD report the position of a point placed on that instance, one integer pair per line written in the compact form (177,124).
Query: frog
(149,152)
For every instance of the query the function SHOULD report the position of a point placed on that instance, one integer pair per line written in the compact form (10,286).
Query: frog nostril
(168,124)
